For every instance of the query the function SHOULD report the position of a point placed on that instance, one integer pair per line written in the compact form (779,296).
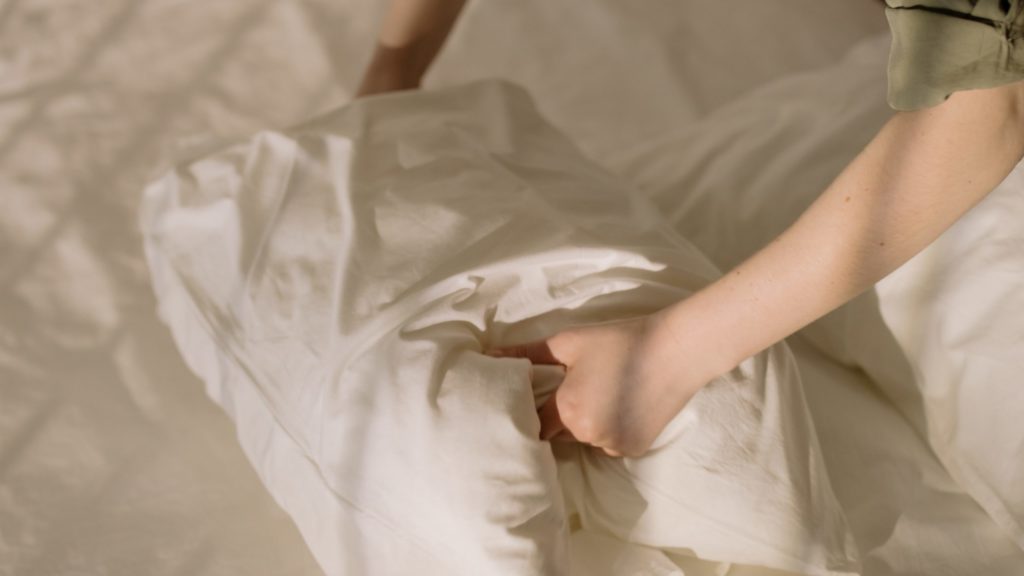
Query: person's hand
(410,37)
(625,381)
(390,70)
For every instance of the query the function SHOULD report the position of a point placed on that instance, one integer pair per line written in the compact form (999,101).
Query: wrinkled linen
(334,285)
(957,312)
(941,338)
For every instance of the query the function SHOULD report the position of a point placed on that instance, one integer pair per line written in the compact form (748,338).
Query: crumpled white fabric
(334,285)
(942,337)
(957,312)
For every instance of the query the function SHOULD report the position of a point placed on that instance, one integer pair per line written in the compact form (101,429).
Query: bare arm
(922,172)
(412,34)
(626,380)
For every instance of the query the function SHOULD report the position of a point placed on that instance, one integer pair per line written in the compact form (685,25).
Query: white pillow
(943,336)
(957,312)
(334,285)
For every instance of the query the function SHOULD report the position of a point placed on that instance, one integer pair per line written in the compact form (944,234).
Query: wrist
(679,348)
(699,341)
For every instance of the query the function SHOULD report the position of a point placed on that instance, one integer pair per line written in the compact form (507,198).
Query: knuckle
(585,430)
(562,342)
(582,426)
(568,407)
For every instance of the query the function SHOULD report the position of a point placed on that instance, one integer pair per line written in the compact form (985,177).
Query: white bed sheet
(946,354)
(112,461)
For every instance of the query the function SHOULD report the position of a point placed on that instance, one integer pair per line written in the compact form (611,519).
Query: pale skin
(626,380)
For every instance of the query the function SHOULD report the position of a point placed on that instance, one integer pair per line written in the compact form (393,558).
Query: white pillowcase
(334,285)
(957,312)
(943,336)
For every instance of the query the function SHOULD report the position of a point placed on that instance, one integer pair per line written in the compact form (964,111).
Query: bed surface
(112,459)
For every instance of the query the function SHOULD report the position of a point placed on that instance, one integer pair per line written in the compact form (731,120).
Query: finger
(536,352)
(550,422)
(612,453)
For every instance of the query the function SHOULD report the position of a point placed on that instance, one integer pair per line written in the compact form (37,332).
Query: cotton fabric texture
(335,284)
(941,338)
(942,46)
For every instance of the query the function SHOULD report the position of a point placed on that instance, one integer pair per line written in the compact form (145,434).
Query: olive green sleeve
(942,46)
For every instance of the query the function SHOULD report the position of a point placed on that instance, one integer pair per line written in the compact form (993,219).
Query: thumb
(538,352)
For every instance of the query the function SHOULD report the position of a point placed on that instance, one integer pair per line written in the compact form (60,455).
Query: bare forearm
(915,179)
(412,34)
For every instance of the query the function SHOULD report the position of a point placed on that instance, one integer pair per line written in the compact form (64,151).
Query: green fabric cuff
(936,53)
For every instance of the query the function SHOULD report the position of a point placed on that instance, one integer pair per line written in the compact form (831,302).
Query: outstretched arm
(625,381)
(412,34)
(922,172)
